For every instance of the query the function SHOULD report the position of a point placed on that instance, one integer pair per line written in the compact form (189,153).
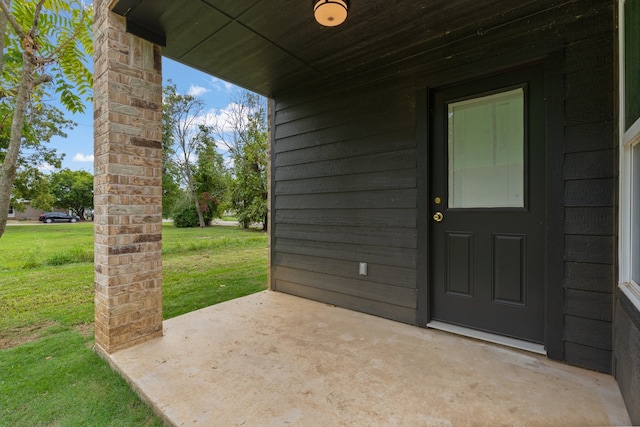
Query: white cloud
(79,157)
(221,86)
(197,90)
(46,167)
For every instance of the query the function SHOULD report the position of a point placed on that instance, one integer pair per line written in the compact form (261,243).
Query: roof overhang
(273,46)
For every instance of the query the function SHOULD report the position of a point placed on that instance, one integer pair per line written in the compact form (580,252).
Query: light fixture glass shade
(330,13)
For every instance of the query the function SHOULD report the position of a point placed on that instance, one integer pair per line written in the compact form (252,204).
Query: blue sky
(78,146)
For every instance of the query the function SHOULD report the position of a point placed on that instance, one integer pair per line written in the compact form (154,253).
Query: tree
(43,122)
(171,191)
(44,44)
(185,136)
(72,190)
(33,186)
(210,175)
(245,134)
(30,184)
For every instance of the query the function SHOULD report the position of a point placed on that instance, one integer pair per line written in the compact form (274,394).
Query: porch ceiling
(271,46)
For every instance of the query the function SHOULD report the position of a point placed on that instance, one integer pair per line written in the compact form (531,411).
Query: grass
(49,374)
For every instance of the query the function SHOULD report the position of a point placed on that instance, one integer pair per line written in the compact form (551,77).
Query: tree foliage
(210,175)
(30,184)
(191,160)
(180,120)
(245,134)
(45,45)
(171,191)
(33,186)
(237,180)
(72,190)
(42,123)
(184,213)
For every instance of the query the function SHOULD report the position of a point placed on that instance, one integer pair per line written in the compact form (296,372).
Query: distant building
(29,214)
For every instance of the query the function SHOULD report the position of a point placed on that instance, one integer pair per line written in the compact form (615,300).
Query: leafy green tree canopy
(33,186)
(73,190)
(245,134)
(190,156)
(45,46)
(30,184)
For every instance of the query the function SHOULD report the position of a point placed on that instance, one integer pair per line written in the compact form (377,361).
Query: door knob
(437,217)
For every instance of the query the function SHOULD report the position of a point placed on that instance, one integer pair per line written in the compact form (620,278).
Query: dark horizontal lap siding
(627,349)
(377,162)
(345,192)
(394,238)
(388,199)
(590,172)
(373,217)
(377,308)
(378,254)
(378,273)
(346,165)
(381,180)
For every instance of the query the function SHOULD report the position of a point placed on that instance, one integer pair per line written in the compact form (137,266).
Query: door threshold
(489,337)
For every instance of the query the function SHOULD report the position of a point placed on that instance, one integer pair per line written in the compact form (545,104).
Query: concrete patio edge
(272,359)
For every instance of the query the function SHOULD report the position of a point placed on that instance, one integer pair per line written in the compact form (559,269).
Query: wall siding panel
(400,257)
(404,297)
(589,277)
(592,136)
(377,308)
(590,165)
(627,349)
(594,249)
(588,332)
(377,162)
(590,305)
(342,149)
(590,221)
(396,218)
(373,181)
(390,199)
(590,192)
(397,238)
(588,357)
(378,273)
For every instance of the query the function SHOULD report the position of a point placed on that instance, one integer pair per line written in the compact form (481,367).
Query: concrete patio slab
(272,359)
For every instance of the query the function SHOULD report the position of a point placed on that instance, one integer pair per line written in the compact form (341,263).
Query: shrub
(185,215)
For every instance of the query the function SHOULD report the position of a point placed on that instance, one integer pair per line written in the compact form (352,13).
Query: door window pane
(486,151)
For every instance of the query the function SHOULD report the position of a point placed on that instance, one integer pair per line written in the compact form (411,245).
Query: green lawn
(49,373)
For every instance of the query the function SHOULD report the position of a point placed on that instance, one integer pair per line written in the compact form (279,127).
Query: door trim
(554,233)
(554,202)
(488,337)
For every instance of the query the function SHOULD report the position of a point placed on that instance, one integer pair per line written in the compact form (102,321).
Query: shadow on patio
(272,359)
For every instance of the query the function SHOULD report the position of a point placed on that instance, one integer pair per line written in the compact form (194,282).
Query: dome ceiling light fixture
(330,13)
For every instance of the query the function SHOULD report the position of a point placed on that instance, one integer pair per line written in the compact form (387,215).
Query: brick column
(128,184)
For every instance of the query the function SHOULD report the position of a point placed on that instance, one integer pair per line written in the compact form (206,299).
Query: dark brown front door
(487,204)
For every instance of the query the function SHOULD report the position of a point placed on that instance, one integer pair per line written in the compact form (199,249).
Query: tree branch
(28,39)
(45,78)
(6,9)
(52,56)
(36,19)
(3,32)
(29,42)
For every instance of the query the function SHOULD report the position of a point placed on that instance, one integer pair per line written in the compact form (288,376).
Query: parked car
(50,217)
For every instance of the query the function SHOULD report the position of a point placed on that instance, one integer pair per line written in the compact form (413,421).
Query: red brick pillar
(128,184)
